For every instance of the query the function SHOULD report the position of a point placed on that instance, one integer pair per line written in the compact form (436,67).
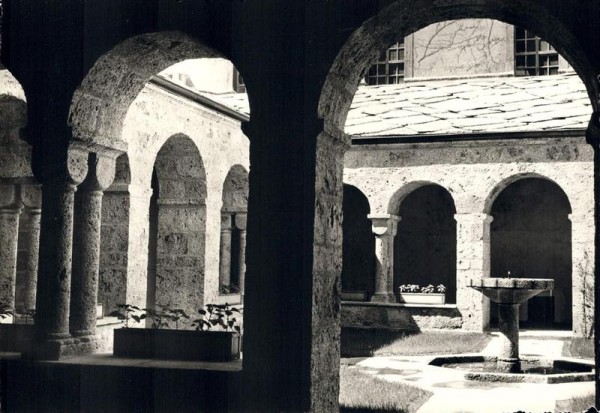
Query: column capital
(226,221)
(241,220)
(101,171)
(9,197)
(31,196)
(384,224)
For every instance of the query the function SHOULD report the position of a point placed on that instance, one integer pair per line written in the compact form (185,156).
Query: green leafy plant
(161,318)
(27,313)
(6,312)
(217,316)
(127,312)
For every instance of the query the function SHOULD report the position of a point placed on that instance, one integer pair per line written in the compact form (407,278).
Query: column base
(383,298)
(63,348)
(509,365)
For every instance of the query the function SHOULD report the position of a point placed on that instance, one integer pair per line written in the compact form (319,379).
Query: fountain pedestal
(509,293)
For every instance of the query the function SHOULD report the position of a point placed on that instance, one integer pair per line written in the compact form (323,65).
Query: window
(238,82)
(534,56)
(389,69)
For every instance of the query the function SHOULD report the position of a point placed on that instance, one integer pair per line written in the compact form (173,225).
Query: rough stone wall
(459,48)
(474,173)
(155,116)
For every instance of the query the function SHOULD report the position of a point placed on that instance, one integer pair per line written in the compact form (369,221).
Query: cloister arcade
(87,99)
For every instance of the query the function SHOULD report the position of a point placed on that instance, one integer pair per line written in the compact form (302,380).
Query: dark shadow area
(358,253)
(531,237)
(425,244)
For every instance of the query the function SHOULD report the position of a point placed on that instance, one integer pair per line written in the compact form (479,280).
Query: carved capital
(473,219)
(31,196)
(9,196)
(241,219)
(384,225)
(226,222)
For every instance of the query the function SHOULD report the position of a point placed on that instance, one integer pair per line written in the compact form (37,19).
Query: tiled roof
(462,106)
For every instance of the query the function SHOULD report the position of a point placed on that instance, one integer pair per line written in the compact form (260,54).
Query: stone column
(10,208)
(86,251)
(32,200)
(59,179)
(508,324)
(582,257)
(384,228)
(472,261)
(225,250)
(240,224)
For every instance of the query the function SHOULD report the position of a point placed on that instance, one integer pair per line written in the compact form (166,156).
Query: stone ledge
(377,304)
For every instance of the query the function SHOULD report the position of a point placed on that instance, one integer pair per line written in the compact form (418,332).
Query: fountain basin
(511,290)
(533,370)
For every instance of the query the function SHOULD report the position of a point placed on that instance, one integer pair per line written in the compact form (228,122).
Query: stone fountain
(509,293)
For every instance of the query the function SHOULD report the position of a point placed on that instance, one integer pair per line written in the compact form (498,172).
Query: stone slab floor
(453,394)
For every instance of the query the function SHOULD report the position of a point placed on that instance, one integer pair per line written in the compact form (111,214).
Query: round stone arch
(177,227)
(101,102)
(425,241)
(531,235)
(232,246)
(404,17)
(405,190)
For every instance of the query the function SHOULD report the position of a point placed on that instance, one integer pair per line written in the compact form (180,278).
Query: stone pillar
(582,258)
(32,258)
(508,324)
(472,262)
(59,179)
(225,250)
(10,208)
(86,251)
(384,228)
(240,224)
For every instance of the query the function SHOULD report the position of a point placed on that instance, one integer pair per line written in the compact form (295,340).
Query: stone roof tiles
(461,106)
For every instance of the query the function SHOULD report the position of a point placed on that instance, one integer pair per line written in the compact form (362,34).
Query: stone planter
(186,345)
(354,296)
(422,298)
(16,337)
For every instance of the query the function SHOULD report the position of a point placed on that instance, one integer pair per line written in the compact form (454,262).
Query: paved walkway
(452,393)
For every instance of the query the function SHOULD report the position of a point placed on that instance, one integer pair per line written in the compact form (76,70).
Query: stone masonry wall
(155,116)
(474,173)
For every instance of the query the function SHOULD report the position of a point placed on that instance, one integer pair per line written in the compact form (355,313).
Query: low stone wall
(104,333)
(400,316)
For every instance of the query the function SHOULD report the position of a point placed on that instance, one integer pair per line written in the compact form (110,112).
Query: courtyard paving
(452,393)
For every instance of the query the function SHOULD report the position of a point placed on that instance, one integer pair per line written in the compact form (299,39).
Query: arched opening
(358,248)
(114,241)
(20,205)
(232,250)
(531,237)
(178,222)
(425,243)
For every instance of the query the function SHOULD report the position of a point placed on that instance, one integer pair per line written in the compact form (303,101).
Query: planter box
(16,337)
(186,345)
(354,296)
(422,298)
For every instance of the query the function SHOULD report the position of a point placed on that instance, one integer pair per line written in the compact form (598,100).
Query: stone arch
(358,247)
(20,201)
(114,238)
(404,17)
(232,248)
(425,242)
(506,182)
(177,238)
(530,236)
(405,190)
(100,104)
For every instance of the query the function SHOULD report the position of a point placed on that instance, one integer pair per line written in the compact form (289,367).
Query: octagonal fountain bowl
(508,366)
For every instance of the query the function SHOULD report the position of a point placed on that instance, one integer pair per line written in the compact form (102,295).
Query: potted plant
(216,336)
(415,294)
